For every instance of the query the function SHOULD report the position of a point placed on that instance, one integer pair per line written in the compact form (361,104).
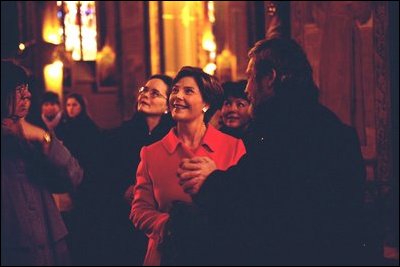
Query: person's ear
(267,83)
(270,78)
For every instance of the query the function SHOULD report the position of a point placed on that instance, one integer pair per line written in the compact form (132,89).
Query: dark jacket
(120,160)
(238,133)
(125,142)
(295,198)
(81,136)
(30,220)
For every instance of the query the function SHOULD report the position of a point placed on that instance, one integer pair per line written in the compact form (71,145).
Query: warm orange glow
(51,24)
(186,15)
(21,46)
(188,36)
(226,66)
(211,11)
(154,37)
(208,42)
(210,68)
(105,62)
(183,31)
(53,77)
(87,33)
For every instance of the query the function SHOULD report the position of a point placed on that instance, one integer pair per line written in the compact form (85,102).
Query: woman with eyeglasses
(34,163)
(149,124)
(194,98)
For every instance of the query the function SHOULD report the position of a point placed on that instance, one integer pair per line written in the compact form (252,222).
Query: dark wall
(394,71)
(9,29)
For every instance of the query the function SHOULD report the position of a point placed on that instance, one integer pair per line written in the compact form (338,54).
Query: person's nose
(179,95)
(145,94)
(233,108)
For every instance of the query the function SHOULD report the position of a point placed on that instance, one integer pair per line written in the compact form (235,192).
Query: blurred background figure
(80,135)
(51,111)
(33,164)
(77,130)
(235,111)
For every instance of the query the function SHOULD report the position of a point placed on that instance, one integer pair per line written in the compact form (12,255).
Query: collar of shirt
(209,141)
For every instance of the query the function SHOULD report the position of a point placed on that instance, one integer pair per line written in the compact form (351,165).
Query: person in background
(80,135)
(235,111)
(34,163)
(194,98)
(51,112)
(150,123)
(77,130)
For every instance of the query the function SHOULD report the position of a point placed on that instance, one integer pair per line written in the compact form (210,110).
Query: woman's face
(152,98)
(235,112)
(73,107)
(22,101)
(186,102)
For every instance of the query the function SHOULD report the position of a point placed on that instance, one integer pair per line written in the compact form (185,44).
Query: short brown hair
(209,87)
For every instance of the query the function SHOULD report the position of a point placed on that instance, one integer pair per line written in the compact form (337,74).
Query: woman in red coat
(193,100)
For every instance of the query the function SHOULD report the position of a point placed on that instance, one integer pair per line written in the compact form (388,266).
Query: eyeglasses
(22,91)
(154,93)
(22,88)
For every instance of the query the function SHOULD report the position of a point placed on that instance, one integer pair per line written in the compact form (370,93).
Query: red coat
(157,184)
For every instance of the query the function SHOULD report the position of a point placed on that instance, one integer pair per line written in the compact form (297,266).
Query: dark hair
(209,87)
(81,100)
(50,97)
(235,89)
(12,75)
(293,70)
(165,78)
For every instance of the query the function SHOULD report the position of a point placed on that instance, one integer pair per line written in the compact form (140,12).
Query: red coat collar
(210,140)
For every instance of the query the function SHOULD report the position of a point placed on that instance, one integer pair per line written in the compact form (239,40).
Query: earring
(205,109)
(166,111)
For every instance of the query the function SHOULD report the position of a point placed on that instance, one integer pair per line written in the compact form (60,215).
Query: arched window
(79,28)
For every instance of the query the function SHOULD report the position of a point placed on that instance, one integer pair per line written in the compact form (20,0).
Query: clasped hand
(193,172)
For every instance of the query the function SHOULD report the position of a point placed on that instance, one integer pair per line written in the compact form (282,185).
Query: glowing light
(208,41)
(21,46)
(210,68)
(186,15)
(213,55)
(53,77)
(168,16)
(53,38)
(51,25)
(81,34)
(210,7)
